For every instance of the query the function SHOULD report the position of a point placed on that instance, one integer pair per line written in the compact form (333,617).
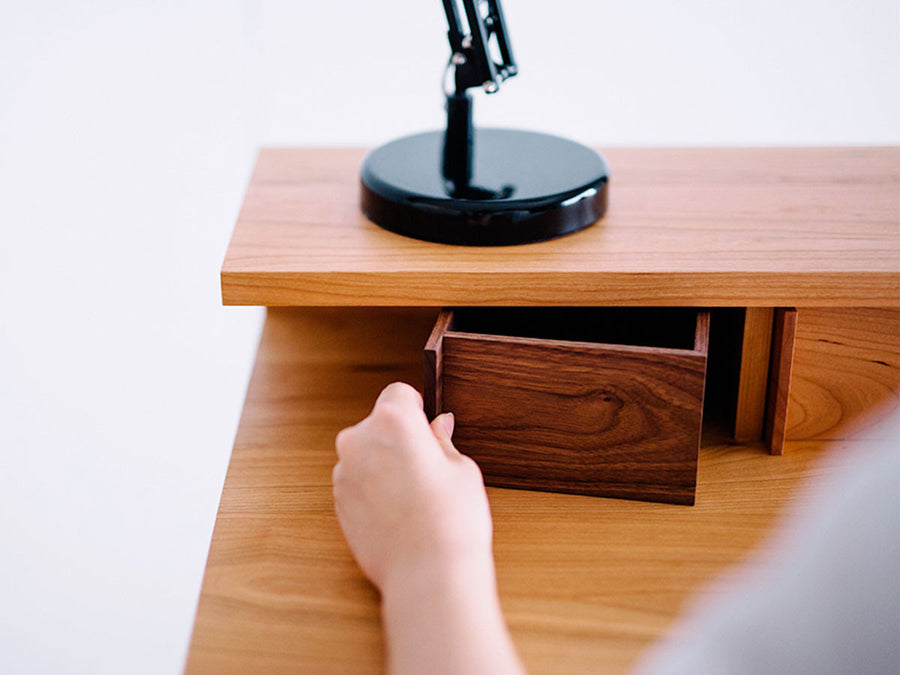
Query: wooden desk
(814,227)
(586,583)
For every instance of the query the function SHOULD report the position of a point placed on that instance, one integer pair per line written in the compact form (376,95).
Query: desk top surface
(586,583)
(698,226)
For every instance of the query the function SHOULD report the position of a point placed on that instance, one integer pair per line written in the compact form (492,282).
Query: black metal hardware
(482,187)
(470,43)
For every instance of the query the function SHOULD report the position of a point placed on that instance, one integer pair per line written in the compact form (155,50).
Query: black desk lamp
(484,187)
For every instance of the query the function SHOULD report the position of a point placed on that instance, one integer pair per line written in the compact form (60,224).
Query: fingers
(396,394)
(398,417)
(444,422)
(442,427)
(401,394)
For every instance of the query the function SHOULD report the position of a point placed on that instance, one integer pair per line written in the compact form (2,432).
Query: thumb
(442,427)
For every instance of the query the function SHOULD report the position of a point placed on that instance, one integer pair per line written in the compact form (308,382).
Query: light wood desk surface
(586,583)
(801,227)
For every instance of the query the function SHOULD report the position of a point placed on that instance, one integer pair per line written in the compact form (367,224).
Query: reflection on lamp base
(525,187)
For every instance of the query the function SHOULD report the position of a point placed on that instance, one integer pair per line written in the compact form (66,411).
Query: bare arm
(416,516)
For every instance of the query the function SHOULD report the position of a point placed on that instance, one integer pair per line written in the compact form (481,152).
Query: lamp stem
(458,141)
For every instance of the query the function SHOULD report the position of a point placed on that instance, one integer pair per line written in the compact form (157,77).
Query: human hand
(408,502)
(415,514)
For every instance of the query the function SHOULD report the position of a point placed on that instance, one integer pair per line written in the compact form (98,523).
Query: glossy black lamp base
(524,187)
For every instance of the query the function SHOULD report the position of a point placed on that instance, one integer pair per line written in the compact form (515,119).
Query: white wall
(645,72)
(127,132)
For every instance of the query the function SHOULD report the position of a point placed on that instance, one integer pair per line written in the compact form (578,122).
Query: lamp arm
(473,63)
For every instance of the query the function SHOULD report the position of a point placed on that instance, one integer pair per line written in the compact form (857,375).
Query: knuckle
(340,441)
(391,413)
(472,468)
(394,419)
(402,393)
(398,387)
(344,440)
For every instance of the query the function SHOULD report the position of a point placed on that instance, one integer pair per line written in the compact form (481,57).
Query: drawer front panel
(588,419)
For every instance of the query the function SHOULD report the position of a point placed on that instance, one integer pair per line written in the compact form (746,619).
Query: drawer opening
(668,327)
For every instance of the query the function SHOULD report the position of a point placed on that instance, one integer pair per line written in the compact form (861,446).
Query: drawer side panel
(846,369)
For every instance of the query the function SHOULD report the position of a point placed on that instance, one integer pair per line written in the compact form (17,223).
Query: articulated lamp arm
(470,34)
(473,64)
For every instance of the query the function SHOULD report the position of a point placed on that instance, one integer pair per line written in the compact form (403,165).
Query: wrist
(447,615)
(434,578)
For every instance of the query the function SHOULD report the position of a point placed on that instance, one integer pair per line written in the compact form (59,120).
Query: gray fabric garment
(822,597)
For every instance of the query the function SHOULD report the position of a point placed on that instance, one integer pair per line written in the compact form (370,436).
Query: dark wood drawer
(595,401)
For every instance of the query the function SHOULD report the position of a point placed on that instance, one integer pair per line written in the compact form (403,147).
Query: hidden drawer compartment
(596,401)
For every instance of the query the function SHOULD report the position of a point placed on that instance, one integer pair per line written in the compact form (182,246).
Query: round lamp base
(524,187)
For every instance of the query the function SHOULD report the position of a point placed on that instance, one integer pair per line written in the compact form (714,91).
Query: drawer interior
(670,327)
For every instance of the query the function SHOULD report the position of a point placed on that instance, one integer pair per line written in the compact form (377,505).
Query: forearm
(448,620)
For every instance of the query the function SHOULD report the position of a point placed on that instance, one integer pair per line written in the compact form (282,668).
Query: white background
(127,133)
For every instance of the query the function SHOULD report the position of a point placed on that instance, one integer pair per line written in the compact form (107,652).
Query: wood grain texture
(701,333)
(846,364)
(282,593)
(577,418)
(692,227)
(568,415)
(754,375)
(586,583)
(784,333)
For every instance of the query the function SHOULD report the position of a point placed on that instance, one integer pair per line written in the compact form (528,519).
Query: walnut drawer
(596,401)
